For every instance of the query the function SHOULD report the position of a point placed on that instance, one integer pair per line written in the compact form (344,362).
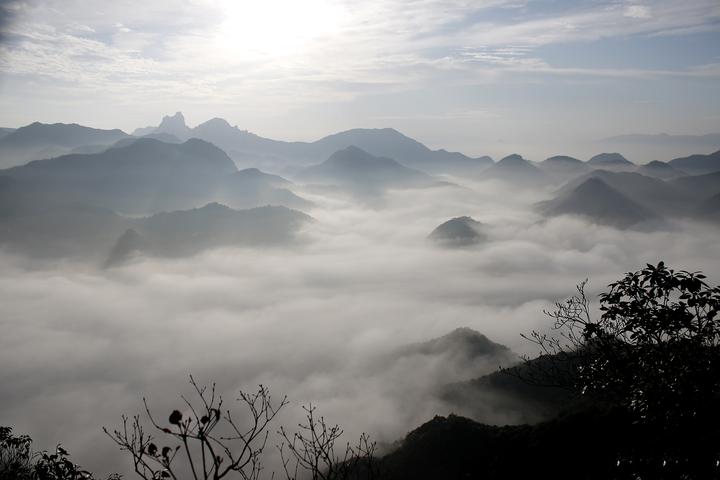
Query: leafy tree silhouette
(19,462)
(654,353)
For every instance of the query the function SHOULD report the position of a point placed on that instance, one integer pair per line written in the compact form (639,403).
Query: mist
(318,321)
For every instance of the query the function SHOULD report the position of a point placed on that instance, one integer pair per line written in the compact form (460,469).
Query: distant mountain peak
(657,164)
(563,159)
(174,125)
(609,159)
(353,154)
(216,122)
(177,119)
(463,341)
(595,199)
(512,158)
(458,232)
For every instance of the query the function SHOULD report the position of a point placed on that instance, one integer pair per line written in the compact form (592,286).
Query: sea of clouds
(318,321)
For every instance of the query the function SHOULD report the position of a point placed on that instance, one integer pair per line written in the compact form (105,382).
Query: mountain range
(184,233)
(357,171)
(515,169)
(174,167)
(148,176)
(249,149)
(614,161)
(596,200)
(698,164)
(38,140)
(100,236)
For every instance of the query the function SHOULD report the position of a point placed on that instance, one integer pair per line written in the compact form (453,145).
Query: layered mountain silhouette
(562,166)
(184,233)
(698,164)
(458,232)
(40,140)
(523,392)
(360,172)
(699,187)
(100,236)
(599,202)
(661,170)
(662,146)
(52,231)
(611,161)
(653,194)
(247,148)
(149,176)
(515,169)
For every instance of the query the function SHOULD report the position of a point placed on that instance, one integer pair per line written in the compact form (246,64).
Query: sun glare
(276,27)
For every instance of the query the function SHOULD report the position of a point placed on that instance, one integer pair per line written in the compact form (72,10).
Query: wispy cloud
(284,55)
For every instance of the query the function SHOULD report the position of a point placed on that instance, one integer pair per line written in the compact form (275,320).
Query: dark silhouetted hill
(597,201)
(611,161)
(515,169)
(698,164)
(143,177)
(655,195)
(458,232)
(184,233)
(355,169)
(149,176)
(562,166)
(661,170)
(579,445)
(699,187)
(388,142)
(462,342)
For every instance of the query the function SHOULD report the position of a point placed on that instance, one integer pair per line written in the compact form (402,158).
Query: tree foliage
(654,351)
(19,462)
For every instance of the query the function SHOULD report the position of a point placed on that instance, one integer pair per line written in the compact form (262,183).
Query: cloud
(191,48)
(638,11)
(80,347)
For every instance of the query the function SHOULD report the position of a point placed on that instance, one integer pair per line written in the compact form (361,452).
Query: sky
(474,76)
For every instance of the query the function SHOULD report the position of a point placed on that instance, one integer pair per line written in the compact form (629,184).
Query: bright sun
(254,28)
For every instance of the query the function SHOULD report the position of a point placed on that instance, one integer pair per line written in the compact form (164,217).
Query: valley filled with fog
(334,304)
